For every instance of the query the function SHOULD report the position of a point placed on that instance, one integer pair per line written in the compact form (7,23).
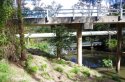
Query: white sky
(65,3)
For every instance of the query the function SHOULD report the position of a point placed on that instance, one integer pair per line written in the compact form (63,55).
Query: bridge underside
(79,23)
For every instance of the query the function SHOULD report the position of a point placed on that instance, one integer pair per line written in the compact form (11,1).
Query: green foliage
(112,44)
(43,67)
(43,46)
(3,39)
(6,9)
(75,70)
(43,29)
(61,61)
(63,37)
(59,69)
(107,63)
(116,78)
(4,71)
(99,27)
(86,73)
(29,67)
(33,69)
(70,75)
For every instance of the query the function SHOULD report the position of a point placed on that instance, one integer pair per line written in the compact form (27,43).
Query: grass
(29,67)
(59,69)
(46,75)
(4,71)
(75,70)
(50,70)
(43,67)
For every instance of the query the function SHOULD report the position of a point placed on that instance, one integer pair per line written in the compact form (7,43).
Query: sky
(67,4)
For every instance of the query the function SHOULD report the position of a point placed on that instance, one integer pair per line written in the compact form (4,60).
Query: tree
(85,4)
(53,8)
(63,38)
(21,31)
(6,10)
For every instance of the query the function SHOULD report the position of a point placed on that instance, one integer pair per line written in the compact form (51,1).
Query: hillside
(42,69)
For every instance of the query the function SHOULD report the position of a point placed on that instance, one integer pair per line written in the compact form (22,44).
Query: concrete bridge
(80,20)
(88,17)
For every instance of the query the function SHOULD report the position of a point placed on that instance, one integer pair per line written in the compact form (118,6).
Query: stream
(93,59)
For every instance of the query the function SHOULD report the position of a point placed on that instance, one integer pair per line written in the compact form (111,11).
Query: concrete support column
(79,46)
(119,47)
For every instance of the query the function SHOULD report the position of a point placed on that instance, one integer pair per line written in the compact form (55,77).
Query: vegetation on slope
(41,69)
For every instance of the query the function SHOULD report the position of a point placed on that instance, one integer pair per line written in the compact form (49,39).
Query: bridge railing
(73,13)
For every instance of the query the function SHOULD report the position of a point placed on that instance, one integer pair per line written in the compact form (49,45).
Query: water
(93,59)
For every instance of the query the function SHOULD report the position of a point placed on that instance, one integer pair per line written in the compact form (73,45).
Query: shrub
(116,78)
(33,69)
(75,70)
(29,67)
(59,69)
(70,75)
(107,63)
(43,46)
(4,71)
(112,44)
(86,73)
(61,61)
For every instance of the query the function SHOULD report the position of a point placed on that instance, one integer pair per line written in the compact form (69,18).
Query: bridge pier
(79,46)
(119,47)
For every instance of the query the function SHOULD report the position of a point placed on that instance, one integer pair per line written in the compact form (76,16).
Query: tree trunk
(119,46)
(21,31)
(58,52)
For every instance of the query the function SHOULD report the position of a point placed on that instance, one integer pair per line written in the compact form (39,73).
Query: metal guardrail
(72,13)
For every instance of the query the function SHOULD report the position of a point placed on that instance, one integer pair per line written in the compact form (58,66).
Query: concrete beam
(86,33)
(68,20)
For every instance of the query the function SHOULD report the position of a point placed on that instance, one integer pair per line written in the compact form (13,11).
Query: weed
(44,67)
(45,75)
(70,75)
(4,71)
(28,65)
(61,61)
(32,69)
(59,69)
(75,70)
(86,73)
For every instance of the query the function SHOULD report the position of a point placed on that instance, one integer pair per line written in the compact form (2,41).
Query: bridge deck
(71,16)
(77,20)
